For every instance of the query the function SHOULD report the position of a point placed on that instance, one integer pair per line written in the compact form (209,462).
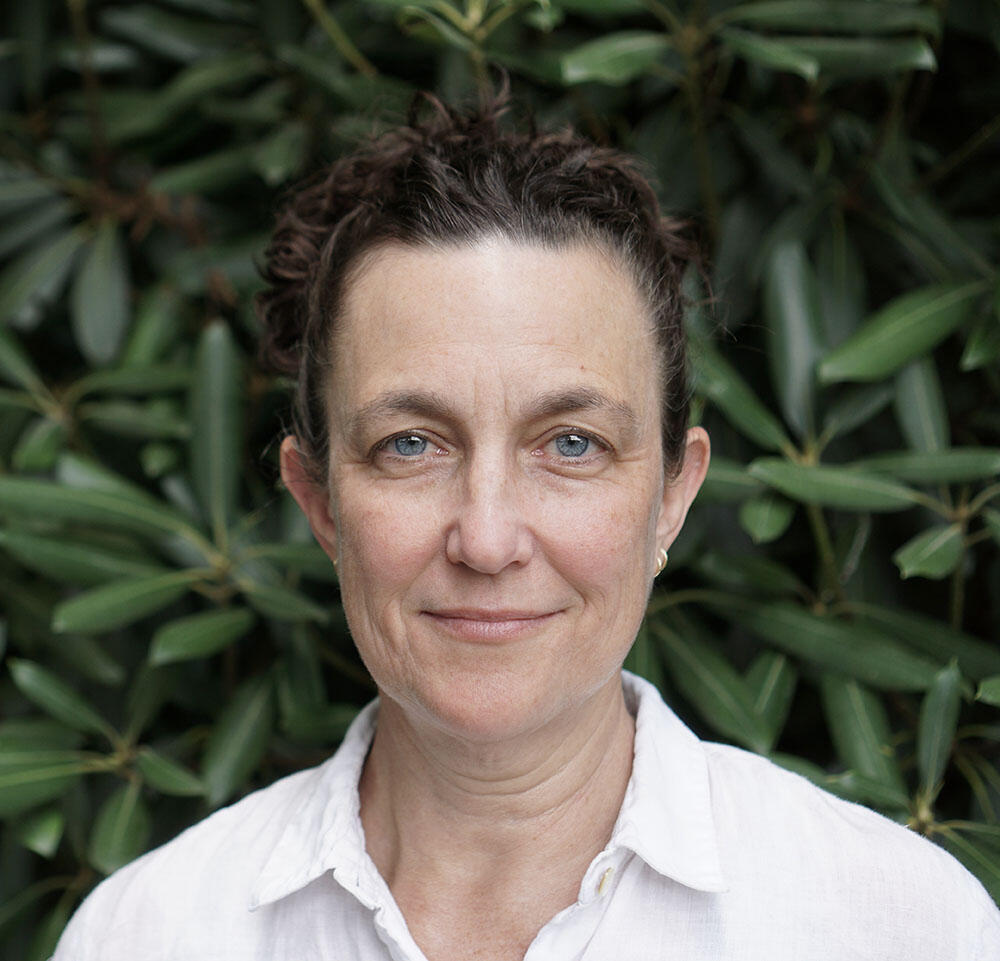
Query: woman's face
(496,491)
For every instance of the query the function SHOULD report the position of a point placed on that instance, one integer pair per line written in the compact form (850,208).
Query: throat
(462,838)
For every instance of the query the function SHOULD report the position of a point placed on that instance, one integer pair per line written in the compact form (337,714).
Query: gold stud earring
(661,561)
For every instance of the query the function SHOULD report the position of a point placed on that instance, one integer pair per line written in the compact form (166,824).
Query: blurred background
(171,637)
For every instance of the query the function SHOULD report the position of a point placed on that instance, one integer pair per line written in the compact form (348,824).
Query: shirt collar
(323,822)
(665,818)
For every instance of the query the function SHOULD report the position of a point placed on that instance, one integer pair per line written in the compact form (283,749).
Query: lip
(488,624)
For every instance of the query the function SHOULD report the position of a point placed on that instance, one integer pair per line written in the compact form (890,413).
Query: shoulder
(829,852)
(208,869)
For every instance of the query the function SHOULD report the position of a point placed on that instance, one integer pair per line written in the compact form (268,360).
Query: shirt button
(605,879)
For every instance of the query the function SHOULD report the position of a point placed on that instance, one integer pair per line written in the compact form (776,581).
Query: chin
(487,708)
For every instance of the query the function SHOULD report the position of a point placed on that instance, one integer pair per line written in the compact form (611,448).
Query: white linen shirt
(717,854)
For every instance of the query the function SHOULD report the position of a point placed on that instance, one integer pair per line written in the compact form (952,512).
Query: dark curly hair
(451,178)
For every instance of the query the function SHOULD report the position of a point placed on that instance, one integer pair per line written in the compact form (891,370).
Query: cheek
(602,537)
(384,538)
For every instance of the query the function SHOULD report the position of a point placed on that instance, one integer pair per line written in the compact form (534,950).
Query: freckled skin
(495,517)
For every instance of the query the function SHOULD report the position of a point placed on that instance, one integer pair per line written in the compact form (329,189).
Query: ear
(680,492)
(313,498)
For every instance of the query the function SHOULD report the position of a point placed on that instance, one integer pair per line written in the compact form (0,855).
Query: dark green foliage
(172,636)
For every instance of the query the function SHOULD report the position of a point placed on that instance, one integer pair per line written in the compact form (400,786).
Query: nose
(489,530)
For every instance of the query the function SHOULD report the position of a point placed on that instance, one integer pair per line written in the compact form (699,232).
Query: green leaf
(159,459)
(167,776)
(604,8)
(36,733)
(840,280)
(351,90)
(859,726)
(151,687)
(850,57)
(768,52)
(100,298)
(122,829)
(134,379)
(31,778)
(982,349)
(207,173)
(786,172)
(840,487)
(323,725)
(199,635)
(920,407)
(42,832)
(273,600)
(854,650)
(836,16)
(981,861)
(747,572)
(310,560)
(123,602)
(156,326)
(39,446)
(855,407)
(933,638)
(936,727)
(728,480)
(905,328)
(935,553)
(16,366)
(989,690)
(855,787)
(47,933)
(238,740)
(217,417)
(615,58)
(717,380)
(766,517)
(712,686)
(168,34)
(20,189)
(772,680)
(89,660)
(35,278)
(279,156)
(56,697)
(189,87)
(150,421)
(116,509)
(991,523)
(791,311)
(949,466)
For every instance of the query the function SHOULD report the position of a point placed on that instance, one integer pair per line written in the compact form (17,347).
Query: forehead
(493,315)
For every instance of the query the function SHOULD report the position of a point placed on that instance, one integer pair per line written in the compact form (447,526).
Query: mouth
(476,624)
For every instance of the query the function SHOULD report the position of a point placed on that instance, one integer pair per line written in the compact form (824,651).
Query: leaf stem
(828,560)
(982,499)
(699,135)
(92,88)
(339,38)
(956,603)
(689,596)
(958,156)
(665,14)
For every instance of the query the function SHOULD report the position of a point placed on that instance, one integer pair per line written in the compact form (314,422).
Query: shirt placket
(567,935)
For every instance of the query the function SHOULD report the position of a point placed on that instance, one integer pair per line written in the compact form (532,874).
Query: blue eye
(411,445)
(572,445)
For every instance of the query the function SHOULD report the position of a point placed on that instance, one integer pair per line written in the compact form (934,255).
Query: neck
(443,806)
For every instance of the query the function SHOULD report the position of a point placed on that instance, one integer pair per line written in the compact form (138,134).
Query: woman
(490,444)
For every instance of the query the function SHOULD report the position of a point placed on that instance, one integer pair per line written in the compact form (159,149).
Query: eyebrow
(422,403)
